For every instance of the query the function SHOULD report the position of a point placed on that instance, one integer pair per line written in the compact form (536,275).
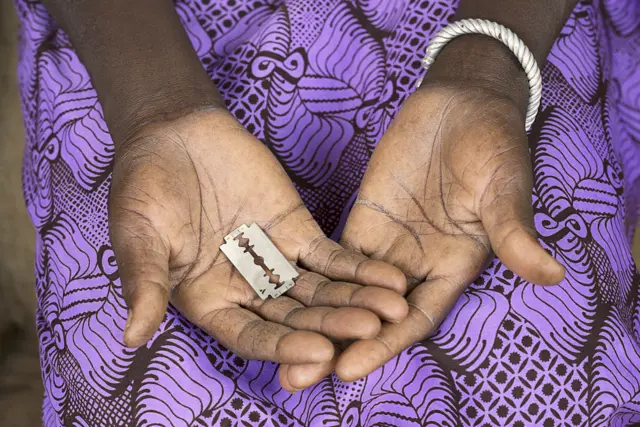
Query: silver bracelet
(506,36)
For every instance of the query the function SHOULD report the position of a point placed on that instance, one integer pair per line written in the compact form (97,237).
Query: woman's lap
(319,83)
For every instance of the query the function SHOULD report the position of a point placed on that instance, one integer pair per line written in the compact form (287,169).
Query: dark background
(20,382)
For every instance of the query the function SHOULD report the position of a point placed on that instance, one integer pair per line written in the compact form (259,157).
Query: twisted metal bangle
(506,36)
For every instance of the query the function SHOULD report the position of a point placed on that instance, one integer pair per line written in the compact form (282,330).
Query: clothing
(319,82)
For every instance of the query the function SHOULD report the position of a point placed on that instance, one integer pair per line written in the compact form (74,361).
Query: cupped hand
(178,188)
(449,183)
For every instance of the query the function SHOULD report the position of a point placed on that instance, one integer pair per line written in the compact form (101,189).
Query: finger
(294,378)
(215,303)
(283,371)
(507,216)
(337,323)
(313,290)
(429,304)
(143,265)
(328,258)
(253,338)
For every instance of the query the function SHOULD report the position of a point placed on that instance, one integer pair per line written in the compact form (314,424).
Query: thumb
(507,216)
(143,264)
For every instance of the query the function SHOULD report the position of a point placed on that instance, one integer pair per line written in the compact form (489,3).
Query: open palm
(178,188)
(449,183)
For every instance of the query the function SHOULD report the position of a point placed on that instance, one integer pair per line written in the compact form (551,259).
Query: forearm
(139,58)
(484,60)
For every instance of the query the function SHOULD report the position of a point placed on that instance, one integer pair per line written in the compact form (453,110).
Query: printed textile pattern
(319,82)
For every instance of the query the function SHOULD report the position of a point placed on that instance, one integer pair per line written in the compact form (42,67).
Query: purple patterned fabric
(319,82)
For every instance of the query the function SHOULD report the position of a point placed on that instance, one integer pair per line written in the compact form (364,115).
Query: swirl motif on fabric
(319,82)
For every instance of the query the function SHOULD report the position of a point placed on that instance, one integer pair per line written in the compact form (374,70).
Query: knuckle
(420,323)
(249,339)
(317,292)
(313,246)
(290,317)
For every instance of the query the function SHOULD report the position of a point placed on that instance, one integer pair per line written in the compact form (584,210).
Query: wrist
(140,59)
(155,82)
(482,62)
(132,109)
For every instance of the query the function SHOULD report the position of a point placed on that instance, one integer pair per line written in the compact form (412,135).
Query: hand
(450,180)
(178,188)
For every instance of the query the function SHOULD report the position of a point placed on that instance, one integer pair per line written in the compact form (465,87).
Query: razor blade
(258,260)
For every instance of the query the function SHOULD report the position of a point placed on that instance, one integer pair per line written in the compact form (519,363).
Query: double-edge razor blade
(258,260)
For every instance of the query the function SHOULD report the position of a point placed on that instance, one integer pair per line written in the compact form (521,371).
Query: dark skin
(449,184)
(186,174)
